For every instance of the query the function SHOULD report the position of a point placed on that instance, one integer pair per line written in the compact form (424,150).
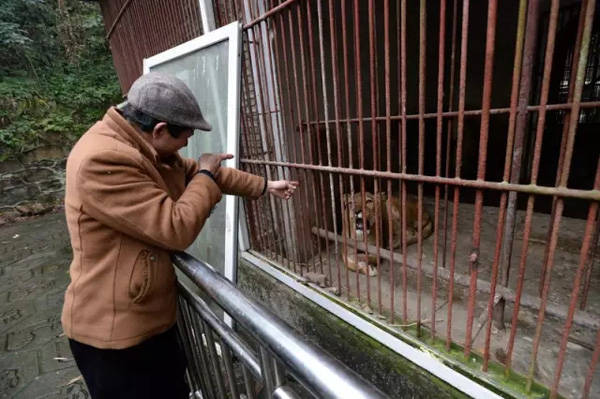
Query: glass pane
(205,71)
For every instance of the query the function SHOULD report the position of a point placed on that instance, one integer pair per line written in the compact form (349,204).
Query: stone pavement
(35,360)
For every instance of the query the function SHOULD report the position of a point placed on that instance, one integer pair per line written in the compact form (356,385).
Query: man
(131,200)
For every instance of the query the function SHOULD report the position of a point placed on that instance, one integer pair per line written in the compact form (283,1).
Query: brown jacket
(126,210)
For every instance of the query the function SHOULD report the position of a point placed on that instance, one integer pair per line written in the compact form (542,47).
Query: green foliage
(56,78)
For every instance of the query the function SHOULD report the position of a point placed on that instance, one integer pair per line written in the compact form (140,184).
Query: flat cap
(167,99)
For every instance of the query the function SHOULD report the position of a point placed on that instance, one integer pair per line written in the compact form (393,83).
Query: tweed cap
(167,99)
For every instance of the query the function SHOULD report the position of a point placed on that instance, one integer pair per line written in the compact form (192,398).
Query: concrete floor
(582,336)
(35,360)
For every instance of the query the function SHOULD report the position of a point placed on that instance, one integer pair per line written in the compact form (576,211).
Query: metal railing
(279,363)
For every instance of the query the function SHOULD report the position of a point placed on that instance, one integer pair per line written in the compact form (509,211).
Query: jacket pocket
(140,280)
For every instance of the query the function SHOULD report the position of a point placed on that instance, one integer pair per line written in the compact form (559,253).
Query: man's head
(165,108)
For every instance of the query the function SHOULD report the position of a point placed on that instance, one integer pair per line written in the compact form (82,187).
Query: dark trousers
(153,369)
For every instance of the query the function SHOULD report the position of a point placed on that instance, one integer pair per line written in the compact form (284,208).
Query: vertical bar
(566,119)
(328,138)
(309,181)
(349,138)
(583,258)
(279,373)
(449,128)
(506,254)
(194,369)
(483,141)
(422,78)
(403,156)
(438,158)
(514,97)
(233,391)
(388,139)
(461,118)
(247,383)
(564,175)
(307,119)
(216,367)
(264,106)
(278,102)
(267,369)
(590,268)
(374,144)
(315,110)
(338,128)
(361,136)
(590,374)
(198,344)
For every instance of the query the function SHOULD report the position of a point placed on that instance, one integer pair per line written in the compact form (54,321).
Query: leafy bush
(57,76)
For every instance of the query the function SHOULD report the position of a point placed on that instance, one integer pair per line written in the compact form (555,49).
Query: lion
(356,225)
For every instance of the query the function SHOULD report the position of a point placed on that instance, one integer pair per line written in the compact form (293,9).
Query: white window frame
(232,34)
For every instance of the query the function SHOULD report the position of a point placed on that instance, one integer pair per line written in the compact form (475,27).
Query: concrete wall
(392,373)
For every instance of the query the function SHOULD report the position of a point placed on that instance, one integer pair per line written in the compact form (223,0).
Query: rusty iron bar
(254,147)
(278,103)
(552,27)
(483,142)
(361,134)
(588,277)
(117,19)
(261,47)
(566,121)
(388,140)
(263,105)
(583,259)
(348,132)
(527,230)
(520,129)
(470,113)
(573,123)
(590,374)
(269,13)
(328,138)
(460,126)
(421,160)
(438,160)
(338,131)
(315,111)
(563,192)
(374,143)
(403,157)
(282,70)
(514,97)
(306,115)
(303,199)
(449,124)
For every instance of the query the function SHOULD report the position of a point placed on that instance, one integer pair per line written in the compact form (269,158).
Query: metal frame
(230,33)
(317,371)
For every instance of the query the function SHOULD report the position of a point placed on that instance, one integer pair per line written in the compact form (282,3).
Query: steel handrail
(320,373)
(239,348)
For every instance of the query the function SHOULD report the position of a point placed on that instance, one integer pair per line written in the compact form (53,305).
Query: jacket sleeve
(237,182)
(115,189)
(231,181)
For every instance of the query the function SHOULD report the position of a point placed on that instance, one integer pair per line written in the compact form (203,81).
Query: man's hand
(282,188)
(212,162)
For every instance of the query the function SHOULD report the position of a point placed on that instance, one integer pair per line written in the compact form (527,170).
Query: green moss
(385,368)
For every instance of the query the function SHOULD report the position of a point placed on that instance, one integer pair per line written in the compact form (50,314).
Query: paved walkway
(35,360)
